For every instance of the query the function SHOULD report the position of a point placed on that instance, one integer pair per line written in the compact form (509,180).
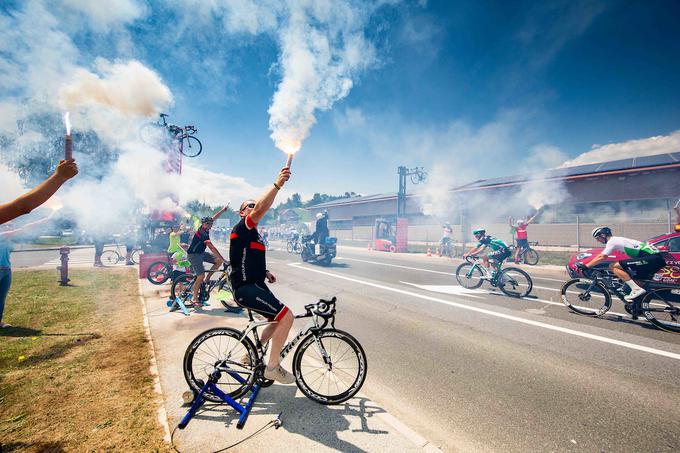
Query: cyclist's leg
(196,260)
(216,263)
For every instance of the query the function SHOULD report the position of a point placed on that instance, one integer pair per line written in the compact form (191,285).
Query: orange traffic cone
(429,252)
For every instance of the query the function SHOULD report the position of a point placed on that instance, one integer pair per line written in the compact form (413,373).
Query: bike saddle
(163,115)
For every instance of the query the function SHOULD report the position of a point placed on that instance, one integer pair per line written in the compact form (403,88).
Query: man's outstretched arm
(267,199)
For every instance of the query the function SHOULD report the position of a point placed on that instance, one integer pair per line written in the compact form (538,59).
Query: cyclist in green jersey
(499,249)
(645,259)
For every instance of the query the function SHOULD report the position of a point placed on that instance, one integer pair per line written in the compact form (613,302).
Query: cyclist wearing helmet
(499,249)
(197,255)
(519,231)
(249,272)
(645,259)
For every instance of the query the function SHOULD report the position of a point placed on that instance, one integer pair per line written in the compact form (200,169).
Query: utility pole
(417,175)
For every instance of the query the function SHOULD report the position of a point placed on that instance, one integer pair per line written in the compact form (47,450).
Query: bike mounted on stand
(223,364)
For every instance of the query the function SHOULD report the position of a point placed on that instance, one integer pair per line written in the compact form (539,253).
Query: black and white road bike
(329,365)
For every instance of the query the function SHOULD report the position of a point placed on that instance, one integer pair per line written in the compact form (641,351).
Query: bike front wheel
(662,308)
(469,276)
(581,296)
(134,256)
(531,257)
(515,282)
(190,146)
(289,247)
(158,272)
(181,286)
(332,369)
(110,257)
(222,349)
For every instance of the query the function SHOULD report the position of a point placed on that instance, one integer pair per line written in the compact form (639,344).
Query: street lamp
(417,175)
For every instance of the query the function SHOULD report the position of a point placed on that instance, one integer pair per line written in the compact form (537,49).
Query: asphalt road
(482,371)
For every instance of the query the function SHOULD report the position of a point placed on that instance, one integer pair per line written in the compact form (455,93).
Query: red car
(668,244)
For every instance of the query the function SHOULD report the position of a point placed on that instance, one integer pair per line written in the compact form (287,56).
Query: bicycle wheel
(223,349)
(469,276)
(289,247)
(515,282)
(297,248)
(334,381)
(110,257)
(134,256)
(190,146)
(158,272)
(181,286)
(581,296)
(662,308)
(530,257)
(152,134)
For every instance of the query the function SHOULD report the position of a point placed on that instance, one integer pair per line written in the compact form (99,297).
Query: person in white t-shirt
(645,260)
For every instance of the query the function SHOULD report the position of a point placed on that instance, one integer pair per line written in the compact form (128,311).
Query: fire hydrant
(63,269)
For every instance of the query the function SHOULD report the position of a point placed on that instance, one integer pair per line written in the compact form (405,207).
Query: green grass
(74,369)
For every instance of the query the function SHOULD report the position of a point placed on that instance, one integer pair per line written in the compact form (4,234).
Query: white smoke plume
(632,148)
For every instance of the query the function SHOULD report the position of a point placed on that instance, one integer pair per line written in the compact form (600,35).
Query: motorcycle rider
(644,260)
(321,232)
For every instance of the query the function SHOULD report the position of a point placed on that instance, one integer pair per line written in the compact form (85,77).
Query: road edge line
(162,413)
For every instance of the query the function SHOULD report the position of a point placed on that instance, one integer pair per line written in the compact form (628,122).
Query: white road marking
(530,322)
(449,289)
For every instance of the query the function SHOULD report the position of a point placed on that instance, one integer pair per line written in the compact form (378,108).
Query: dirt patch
(75,375)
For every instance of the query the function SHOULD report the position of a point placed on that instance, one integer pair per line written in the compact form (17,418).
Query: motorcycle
(318,253)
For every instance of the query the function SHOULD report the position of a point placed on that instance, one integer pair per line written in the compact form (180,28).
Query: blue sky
(478,87)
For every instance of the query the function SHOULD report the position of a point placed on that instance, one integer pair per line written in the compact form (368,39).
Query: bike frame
(498,266)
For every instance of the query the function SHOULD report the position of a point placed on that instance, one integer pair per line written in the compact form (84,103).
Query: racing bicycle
(294,245)
(447,248)
(112,257)
(592,296)
(511,281)
(182,137)
(329,365)
(527,255)
(182,287)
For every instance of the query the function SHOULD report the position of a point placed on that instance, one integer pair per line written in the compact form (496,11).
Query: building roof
(357,199)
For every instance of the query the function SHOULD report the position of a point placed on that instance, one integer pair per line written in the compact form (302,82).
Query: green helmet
(477,231)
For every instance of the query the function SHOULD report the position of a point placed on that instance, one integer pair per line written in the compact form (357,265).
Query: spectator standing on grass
(27,202)
(99,240)
(6,235)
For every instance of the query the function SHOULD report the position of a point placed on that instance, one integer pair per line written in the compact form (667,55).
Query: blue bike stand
(212,388)
(171,303)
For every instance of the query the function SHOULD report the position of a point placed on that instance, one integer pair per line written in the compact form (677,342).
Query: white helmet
(319,215)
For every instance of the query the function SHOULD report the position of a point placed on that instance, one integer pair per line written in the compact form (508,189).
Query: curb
(153,369)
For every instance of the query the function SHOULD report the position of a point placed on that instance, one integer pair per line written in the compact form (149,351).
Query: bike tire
(181,285)
(134,256)
(468,277)
(662,308)
(308,362)
(297,248)
(158,272)
(289,247)
(574,297)
(110,257)
(152,134)
(510,278)
(530,257)
(212,347)
(190,146)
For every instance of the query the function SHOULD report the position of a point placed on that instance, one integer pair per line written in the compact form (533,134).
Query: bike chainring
(259,376)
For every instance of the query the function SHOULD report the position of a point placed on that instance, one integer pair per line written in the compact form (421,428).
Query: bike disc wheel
(531,257)
(110,257)
(190,146)
(577,296)
(662,308)
(468,276)
(335,382)
(158,272)
(515,282)
(181,286)
(221,348)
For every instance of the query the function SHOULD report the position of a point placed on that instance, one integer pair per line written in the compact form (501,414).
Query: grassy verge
(75,374)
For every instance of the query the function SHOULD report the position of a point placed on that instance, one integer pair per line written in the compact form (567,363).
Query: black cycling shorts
(499,255)
(643,267)
(257,297)
(197,260)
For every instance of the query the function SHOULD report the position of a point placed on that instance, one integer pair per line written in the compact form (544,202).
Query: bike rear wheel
(110,257)
(515,282)
(334,381)
(190,146)
(181,286)
(158,272)
(469,276)
(134,256)
(221,348)
(531,257)
(662,308)
(584,298)
(289,247)
(297,248)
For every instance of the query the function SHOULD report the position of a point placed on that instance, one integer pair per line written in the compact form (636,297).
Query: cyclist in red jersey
(521,236)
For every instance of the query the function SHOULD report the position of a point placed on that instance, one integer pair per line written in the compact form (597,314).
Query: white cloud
(632,148)
(110,13)
(214,188)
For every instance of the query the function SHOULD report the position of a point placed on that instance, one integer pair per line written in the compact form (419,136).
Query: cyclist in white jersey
(645,259)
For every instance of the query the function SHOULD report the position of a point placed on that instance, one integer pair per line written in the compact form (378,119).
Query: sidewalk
(356,425)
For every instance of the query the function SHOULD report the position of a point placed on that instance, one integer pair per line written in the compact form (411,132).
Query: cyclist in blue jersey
(499,249)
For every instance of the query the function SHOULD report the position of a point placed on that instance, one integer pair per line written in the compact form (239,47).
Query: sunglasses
(250,205)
